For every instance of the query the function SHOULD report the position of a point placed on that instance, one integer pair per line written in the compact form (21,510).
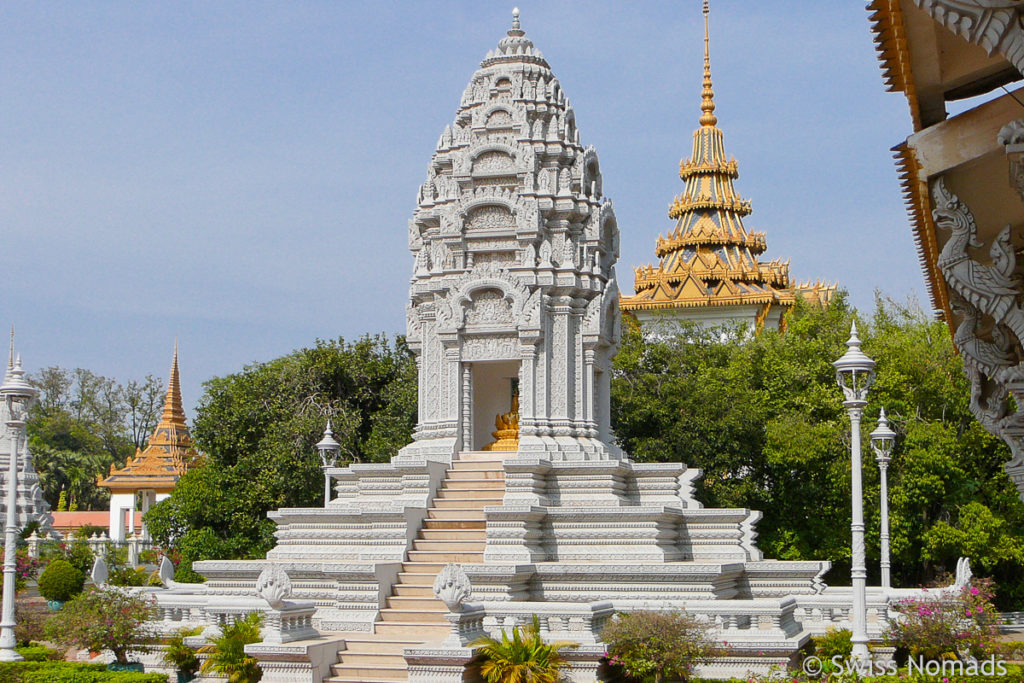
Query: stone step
(456,513)
(431,568)
(416,579)
(481,456)
(463,475)
(492,496)
(427,633)
(363,674)
(449,546)
(364,679)
(476,484)
(414,590)
(408,616)
(454,534)
(428,604)
(367,643)
(428,556)
(463,465)
(449,522)
(464,503)
(375,659)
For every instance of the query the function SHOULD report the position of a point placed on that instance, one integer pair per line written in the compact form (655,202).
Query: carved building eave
(921,56)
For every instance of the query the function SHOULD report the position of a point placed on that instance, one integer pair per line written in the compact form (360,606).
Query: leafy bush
(31,620)
(126,576)
(834,642)
(184,573)
(149,556)
(60,581)
(523,657)
(657,645)
(26,568)
(38,653)
(106,619)
(87,531)
(226,654)
(179,655)
(947,624)
(60,675)
(17,672)
(77,553)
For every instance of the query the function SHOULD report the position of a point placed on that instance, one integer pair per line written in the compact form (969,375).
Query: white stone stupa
(513,499)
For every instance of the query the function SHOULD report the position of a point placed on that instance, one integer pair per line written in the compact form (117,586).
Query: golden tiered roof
(709,259)
(169,453)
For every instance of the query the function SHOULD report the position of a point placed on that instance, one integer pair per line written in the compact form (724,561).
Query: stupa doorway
(495,401)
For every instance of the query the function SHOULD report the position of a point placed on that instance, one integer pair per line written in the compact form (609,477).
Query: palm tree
(522,658)
(226,654)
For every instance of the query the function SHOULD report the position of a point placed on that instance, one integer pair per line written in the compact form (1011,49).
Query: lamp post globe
(329,450)
(882,441)
(18,396)
(854,373)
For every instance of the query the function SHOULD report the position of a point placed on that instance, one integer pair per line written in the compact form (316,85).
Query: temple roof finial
(516,29)
(707,104)
(173,411)
(10,357)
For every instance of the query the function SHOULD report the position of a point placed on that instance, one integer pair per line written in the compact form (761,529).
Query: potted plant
(59,582)
(182,657)
(107,619)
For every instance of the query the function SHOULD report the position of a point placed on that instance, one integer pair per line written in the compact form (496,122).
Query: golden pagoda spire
(173,412)
(707,103)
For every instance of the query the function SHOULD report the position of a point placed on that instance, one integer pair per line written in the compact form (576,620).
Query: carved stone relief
(490,218)
(489,307)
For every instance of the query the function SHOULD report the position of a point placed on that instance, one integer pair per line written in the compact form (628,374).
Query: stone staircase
(454,531)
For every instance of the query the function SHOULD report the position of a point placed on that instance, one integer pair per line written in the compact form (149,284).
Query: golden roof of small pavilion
(169,453)
(709,259)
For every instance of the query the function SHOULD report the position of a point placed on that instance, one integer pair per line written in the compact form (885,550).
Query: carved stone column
(467,407)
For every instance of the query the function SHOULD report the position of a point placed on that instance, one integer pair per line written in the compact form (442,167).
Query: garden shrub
(26,568)
(87,531)
(65,676)
(126,576)
(31,622)
(106,619)
(183,658)
(16,672)
(38,653)
(947,624)
(834,642)
(60,581)
(657,645)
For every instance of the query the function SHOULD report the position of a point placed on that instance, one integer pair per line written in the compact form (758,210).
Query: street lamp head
(16,392)
(854,370)
(882,439)
(328,448)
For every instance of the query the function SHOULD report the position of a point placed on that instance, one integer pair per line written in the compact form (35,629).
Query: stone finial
(100,573)
(273,585)
(452,587)
(166,571)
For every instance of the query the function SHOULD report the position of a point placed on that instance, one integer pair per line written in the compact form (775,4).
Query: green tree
(82,424)
(258,429)
(762,417)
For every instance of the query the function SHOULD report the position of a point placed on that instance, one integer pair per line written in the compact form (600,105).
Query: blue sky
(241,174)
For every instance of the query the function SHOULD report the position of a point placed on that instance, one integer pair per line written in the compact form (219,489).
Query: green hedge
(38,653)
(71,672)
(93,677)
(15,672)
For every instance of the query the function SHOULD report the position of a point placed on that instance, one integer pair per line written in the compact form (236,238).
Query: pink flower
(974,590)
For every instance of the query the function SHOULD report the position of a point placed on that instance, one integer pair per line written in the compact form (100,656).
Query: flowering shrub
(25,568)
(105,619)
(947,624)
(657,646)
